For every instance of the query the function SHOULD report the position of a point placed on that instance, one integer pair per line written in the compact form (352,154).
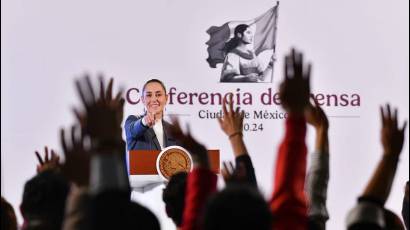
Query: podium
(145,171)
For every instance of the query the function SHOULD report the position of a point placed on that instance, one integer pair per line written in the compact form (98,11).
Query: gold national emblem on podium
(172,160)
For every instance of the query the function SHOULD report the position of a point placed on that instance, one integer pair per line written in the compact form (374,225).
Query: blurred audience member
(174,197)
(237,207)
(108,204)
(44,200)
(318,173)
(232,125)
(369,213)
(8,217)
(201,182)
(405,208)
(288,203)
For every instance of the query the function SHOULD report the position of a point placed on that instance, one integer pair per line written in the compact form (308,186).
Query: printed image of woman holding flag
(237,44)
(241,63)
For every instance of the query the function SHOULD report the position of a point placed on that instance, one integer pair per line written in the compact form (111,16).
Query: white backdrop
(356,46)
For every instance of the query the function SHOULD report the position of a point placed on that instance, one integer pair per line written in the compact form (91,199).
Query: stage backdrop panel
(359,50)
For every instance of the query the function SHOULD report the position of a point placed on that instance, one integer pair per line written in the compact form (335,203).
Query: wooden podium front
(143,162)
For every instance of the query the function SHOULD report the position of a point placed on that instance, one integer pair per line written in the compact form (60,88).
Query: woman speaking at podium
(150,131)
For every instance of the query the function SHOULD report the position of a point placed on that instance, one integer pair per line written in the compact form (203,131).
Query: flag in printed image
(264,35)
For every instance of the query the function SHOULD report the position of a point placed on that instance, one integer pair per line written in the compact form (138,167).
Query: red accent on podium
(143,162)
